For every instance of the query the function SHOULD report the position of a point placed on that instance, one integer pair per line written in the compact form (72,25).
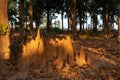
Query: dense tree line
(75,10)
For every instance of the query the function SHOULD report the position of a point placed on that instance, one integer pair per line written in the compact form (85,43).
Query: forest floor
(104,65)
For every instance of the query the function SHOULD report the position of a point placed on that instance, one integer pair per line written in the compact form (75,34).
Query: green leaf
(3,29)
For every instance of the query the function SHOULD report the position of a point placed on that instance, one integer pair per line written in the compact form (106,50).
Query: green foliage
(3,29)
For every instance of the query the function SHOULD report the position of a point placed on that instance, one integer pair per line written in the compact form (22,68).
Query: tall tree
(67,12)
(80,7)
(94,12)
(21,7)
(106,18)
(31,14)
(48,15)
(62,13)
(36,13)
(118,21)
(73,15)
(4,38)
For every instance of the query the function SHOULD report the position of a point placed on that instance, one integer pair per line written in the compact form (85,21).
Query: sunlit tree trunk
(31,14)
(118,22)
(21,7)
(106,18)
(73,15)
(4,39)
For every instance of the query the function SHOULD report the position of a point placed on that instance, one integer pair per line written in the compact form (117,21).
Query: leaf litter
(56,58)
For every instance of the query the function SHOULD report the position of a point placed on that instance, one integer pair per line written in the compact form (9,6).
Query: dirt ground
(103,64)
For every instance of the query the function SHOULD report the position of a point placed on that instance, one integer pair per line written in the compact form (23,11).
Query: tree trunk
(80,20)
(111,21)
(83,24)
(118,22)
(103,22)
(31,15)
(68,24)
(94,21)
(86,23)
(37,23)
(62,21)
(36,16)
(106,19)
(91,23)
(4,39)
(80,15)
(80,24)
(21,17)
(48,17)
(73,15)
(12,29)
(67,3)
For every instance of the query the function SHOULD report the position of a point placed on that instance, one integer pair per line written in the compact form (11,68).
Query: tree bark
(68,14)
(106,28)
(73,15)
(118,22)
(21,17)
(86,23)
(36,16)
(37,23)
(83,24)
(80,20)
(31,15)
(80,15)
(4,39)
(68,24)
(62,21)
(12,29)
(80,23)
(94,21)
(48,17)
